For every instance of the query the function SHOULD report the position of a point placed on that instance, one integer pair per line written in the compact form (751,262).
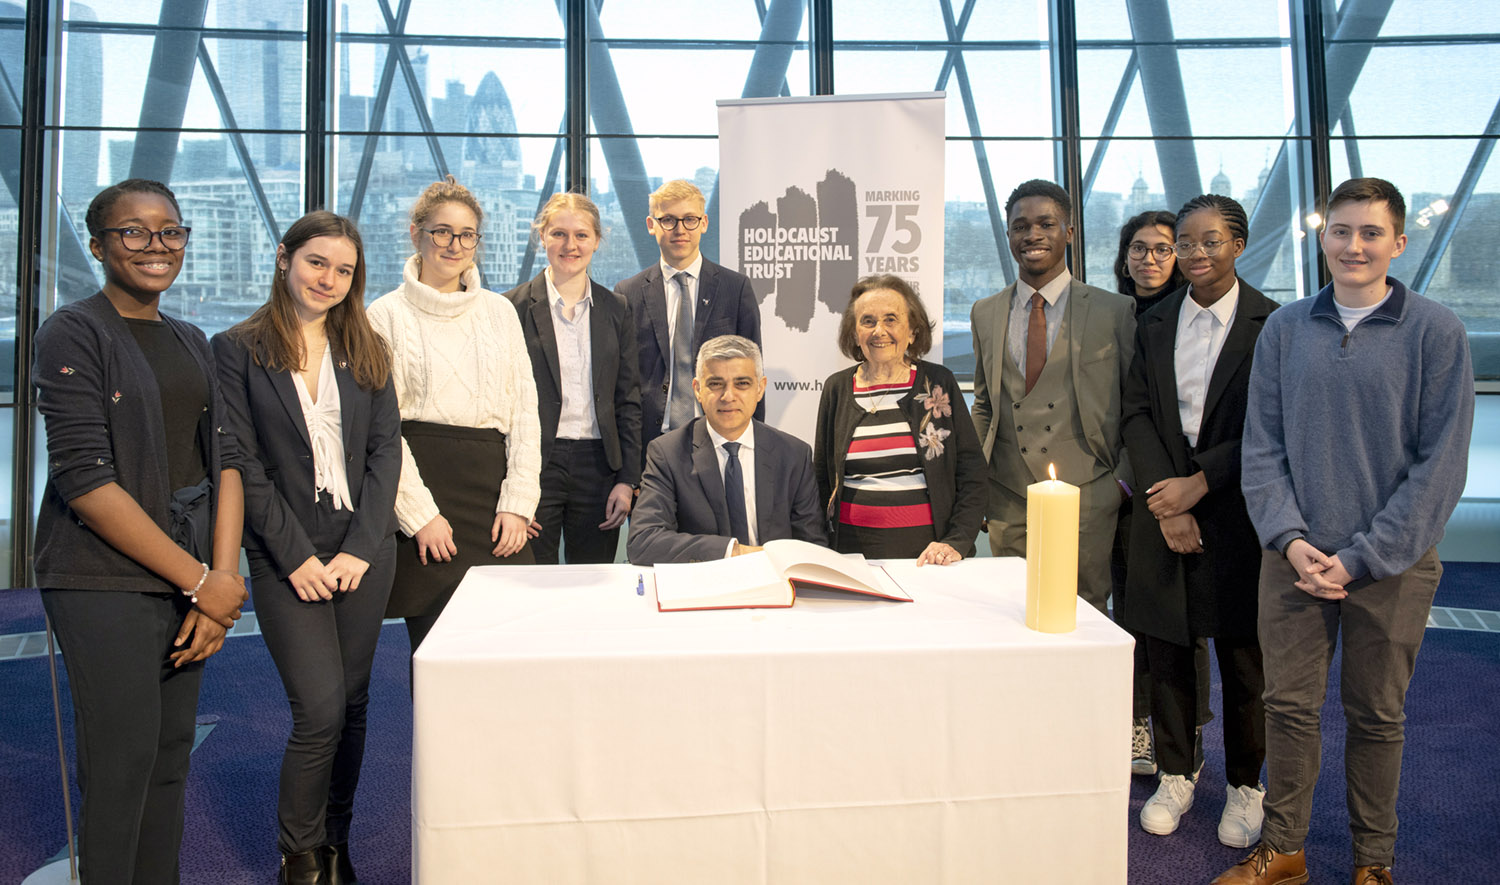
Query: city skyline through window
(1173,98)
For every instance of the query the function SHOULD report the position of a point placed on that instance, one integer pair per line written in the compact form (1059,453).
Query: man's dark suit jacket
(617,391)
(681,515)
(726,306)
(263,412)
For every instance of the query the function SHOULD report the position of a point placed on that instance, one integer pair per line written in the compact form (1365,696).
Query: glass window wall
(1175,98)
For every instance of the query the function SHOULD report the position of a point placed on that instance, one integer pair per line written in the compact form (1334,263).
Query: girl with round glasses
(138,535)
(306,381)
(1146,264)
(1146,270)
(582,342)
(1194,573)
(471,444)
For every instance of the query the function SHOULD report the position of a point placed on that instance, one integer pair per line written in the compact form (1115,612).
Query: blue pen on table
(640,584)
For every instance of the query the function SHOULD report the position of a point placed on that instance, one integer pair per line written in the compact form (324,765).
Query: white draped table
(566,731)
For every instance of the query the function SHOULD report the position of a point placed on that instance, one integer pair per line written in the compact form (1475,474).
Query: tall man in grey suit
(724,484)
(1051,357)
(679,303)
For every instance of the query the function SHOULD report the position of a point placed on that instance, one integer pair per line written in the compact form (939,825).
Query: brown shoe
(1374,874)
(1265,866)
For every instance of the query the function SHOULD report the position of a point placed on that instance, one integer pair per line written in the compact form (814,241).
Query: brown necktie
(1036,341)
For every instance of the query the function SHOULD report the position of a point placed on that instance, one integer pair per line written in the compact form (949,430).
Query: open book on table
(769,578)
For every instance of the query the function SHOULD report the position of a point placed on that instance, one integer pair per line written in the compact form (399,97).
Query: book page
(801,561)
(732,582)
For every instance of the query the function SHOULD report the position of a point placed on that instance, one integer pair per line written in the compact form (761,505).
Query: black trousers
(324,652)
(134,717)
(1174,706)
(1140,705)
(576,481)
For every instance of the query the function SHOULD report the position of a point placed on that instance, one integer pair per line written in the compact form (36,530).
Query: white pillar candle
(1052,555)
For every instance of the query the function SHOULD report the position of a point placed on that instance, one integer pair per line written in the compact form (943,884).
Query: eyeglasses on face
(1162,251)
(1210,248)
(689,222)
(443,237)
(138,239)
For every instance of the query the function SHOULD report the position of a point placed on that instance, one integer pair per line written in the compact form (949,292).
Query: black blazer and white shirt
(724,304)
(616,378)
(265,414)
(682,514)
(1173,596)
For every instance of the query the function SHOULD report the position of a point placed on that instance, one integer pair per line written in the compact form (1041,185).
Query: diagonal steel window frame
(954,65)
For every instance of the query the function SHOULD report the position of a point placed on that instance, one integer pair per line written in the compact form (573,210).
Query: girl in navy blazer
(138,535)
(582,342)
(306,380)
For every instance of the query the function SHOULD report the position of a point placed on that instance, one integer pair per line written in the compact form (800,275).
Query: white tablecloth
(566,731)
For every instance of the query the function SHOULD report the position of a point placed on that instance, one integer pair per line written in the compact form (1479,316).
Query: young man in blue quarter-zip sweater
(1356,448)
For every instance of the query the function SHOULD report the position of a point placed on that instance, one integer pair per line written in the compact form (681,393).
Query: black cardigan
(957,479)
(102,408)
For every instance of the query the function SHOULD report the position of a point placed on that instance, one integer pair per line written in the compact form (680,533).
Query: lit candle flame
(1052,471)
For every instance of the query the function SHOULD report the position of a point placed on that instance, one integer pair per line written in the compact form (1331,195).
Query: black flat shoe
(337,868)
(302,868)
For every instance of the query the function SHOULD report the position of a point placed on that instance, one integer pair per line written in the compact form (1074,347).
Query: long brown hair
(273,334)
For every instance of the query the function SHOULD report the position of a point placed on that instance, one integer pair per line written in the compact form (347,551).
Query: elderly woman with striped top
(899,466)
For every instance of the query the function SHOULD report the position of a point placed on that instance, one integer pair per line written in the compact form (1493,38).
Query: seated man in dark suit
(724,483)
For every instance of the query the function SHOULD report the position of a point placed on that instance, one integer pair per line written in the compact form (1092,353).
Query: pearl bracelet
(192,594)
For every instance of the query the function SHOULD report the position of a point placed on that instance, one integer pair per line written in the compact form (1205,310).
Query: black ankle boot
(337,868)
(302,868)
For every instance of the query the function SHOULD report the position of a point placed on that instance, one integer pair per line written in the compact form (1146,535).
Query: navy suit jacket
(726,306)
(681,515)
(617,389)
(265,415)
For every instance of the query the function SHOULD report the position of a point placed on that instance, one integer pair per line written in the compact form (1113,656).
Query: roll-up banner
(815,193)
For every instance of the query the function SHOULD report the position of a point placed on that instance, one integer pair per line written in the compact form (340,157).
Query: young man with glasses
(679,303)
(1356,447)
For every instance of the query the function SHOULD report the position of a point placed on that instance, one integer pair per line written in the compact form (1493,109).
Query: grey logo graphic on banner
(804,252)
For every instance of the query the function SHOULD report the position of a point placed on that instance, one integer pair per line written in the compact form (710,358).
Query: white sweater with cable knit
(460,358)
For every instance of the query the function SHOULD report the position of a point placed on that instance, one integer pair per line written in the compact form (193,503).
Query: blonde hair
(675,192)
(579,204)
(446,191)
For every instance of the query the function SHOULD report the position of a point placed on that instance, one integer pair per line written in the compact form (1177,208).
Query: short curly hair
(1037,187)
(916,317)
(104,201)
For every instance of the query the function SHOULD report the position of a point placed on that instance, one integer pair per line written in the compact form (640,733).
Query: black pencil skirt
(452,460)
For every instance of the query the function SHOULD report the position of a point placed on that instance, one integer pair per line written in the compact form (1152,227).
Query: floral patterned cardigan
(954,464)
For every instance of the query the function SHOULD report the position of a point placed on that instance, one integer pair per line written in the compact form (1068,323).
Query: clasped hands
(1170,501)
(203,629)
(316,582)
(1319,574)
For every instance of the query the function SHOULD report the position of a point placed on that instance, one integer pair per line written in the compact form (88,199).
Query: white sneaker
(1240,825)
(1142,759)
(1162,812)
